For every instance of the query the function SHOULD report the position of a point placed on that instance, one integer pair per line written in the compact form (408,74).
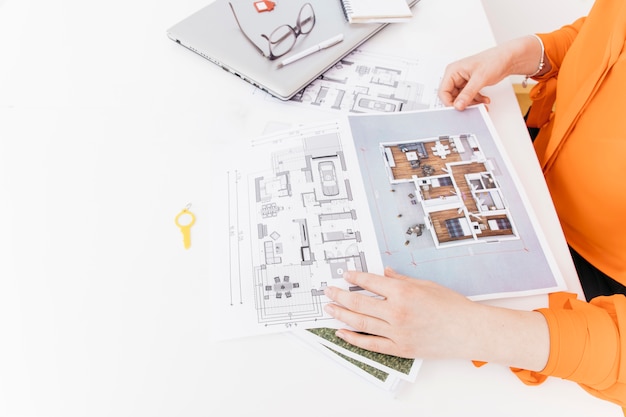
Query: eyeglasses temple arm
(243,32)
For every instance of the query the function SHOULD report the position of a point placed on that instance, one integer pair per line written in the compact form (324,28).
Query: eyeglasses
(283,38)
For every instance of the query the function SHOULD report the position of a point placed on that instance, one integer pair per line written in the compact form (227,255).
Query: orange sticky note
(264,6)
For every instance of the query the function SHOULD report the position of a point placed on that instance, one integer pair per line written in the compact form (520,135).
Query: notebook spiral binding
(346,6)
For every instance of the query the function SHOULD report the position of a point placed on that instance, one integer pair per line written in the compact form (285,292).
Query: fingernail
(459,104)
(340,334)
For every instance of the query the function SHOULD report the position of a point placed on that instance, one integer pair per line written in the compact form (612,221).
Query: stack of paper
(298,206)
(385,371)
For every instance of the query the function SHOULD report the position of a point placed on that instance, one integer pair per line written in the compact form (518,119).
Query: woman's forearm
(421,319)
(526,55)
(514,338)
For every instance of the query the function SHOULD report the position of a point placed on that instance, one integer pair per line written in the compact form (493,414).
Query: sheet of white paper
(294,221)
(371,82)
(457,214)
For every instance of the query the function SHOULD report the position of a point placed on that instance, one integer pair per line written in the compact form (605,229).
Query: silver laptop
(214,33)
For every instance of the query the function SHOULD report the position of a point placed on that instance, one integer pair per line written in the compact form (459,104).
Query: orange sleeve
(557,44)
(586,345)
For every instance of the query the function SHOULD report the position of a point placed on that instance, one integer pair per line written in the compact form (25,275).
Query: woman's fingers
(370,342)
(359,321)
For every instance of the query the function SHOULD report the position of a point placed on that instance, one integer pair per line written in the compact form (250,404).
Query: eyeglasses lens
(306,19)
(284,37)
(282,40)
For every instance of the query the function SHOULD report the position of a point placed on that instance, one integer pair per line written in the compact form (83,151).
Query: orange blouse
(582,150)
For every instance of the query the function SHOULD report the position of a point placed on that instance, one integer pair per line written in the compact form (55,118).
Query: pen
(322,45)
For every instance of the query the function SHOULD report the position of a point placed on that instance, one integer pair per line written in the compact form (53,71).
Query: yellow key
(185,228)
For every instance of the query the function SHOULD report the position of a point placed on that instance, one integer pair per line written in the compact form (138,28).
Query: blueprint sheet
(428,193)
(370,82)
(294,222)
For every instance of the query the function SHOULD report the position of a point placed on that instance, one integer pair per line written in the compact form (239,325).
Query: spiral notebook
(376,11)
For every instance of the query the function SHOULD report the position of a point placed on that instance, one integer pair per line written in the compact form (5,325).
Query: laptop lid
(212,32)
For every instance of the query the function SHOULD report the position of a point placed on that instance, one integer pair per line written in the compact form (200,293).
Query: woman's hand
(414,319)
(464,79)
(421,319)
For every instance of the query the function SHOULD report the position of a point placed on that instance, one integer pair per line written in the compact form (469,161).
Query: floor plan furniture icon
(281,287)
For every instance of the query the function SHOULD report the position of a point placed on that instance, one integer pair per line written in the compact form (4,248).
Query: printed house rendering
(449,179)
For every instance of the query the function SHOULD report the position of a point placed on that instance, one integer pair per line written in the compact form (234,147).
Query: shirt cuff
(584,342)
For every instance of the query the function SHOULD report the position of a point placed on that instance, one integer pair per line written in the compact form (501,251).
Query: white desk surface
(105,127)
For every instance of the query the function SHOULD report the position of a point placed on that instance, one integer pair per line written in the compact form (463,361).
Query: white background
(105,131)
(510,19)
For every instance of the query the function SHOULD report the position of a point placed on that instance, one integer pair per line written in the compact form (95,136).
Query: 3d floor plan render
(452,186)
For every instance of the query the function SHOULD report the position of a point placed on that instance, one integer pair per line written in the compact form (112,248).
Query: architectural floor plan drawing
(294,211)
(367,82)
(307,229)
(428,193)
